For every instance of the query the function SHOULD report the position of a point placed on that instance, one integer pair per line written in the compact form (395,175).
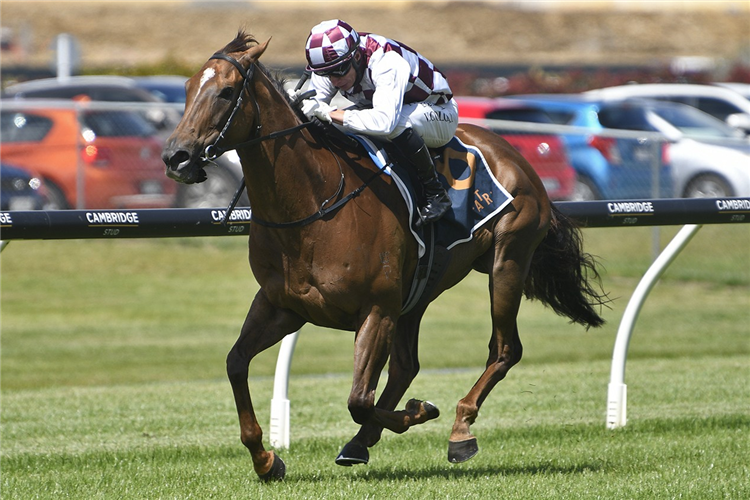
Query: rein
(213,151)
(322,212)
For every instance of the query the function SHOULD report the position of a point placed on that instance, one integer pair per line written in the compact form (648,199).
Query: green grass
(113,384)
(541,435)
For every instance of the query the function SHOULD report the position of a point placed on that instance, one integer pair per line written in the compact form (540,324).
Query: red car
(545,152)
(88,156)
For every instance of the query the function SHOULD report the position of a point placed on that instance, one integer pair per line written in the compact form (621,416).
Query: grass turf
(113,382)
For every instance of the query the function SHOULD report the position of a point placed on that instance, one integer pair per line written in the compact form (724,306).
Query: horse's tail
(564,277)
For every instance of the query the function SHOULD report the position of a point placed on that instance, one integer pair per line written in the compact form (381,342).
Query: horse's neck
(286,177)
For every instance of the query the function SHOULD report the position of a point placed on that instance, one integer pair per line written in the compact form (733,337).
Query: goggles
(339,71)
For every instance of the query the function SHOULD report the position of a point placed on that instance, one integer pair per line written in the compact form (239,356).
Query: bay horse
(330,245)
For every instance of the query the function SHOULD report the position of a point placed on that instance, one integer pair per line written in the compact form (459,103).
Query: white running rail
(617,390)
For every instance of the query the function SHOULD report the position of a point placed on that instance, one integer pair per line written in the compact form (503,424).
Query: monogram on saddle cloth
(474,192)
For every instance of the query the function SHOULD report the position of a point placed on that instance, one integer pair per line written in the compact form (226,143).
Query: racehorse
(330,244)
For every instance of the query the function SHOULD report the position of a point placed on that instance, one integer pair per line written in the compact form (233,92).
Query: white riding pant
(435,123)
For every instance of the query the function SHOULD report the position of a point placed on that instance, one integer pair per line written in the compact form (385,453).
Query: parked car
(606,167)
(722,103)
(701,158)
(20,189)
(105,88)
(545,152)
(88,158)
(162,96)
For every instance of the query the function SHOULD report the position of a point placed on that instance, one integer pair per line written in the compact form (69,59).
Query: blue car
(606,167)
(20,190)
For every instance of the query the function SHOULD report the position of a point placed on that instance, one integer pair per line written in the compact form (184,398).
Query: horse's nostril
(176,159)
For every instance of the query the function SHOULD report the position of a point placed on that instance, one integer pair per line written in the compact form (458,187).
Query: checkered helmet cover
(330,43)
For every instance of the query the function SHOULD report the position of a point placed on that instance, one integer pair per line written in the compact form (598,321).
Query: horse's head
(220,108)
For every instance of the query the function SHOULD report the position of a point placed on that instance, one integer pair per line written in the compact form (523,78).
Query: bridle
(213,151)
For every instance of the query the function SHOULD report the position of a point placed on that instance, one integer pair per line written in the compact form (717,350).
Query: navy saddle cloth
(474,192)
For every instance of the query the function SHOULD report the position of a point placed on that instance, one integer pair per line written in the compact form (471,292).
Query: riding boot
(437,201)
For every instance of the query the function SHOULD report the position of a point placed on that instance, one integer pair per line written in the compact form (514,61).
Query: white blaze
(207,75)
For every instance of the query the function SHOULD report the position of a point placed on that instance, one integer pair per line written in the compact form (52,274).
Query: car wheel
(216,191)
(708,186)
(55,198)
(585,190)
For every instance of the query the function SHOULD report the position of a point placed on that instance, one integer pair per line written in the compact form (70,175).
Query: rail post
(617,390)
(280,406)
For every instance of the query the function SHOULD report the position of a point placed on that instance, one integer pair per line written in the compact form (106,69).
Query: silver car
(720,102)
(708,158)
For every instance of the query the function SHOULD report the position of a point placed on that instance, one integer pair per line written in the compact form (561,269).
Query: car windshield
(695,124)
(117,124)
(627,117)
(109,93)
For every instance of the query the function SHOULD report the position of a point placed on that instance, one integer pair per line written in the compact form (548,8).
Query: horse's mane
(243,42)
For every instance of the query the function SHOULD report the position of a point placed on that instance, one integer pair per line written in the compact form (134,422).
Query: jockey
(398,95)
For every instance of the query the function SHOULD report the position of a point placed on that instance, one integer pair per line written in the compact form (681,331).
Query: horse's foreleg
(506,287)
(402,369)
(264,326)
(371,348)
(371,351)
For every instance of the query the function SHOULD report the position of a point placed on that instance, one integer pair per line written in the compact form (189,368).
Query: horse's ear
(255,52)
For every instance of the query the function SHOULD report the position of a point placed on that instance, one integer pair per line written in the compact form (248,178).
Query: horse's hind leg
(506,288)
(264,326)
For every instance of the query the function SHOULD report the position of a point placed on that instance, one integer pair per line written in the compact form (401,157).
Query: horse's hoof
(353,454)
(416,405)
(462,451)
(276,472)
(431,410)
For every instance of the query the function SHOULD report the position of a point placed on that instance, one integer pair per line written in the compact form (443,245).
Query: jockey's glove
(316,109)
(295,96)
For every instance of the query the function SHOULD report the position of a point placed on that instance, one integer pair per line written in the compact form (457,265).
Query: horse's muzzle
(182,166)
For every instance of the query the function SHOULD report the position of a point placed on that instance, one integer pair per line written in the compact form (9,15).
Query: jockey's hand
(294,94)
(296,97)
(316,109)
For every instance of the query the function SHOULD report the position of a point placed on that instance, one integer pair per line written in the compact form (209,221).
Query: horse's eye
(226,93)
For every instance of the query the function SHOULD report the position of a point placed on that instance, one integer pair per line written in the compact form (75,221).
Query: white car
(741,88)
(720,102)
